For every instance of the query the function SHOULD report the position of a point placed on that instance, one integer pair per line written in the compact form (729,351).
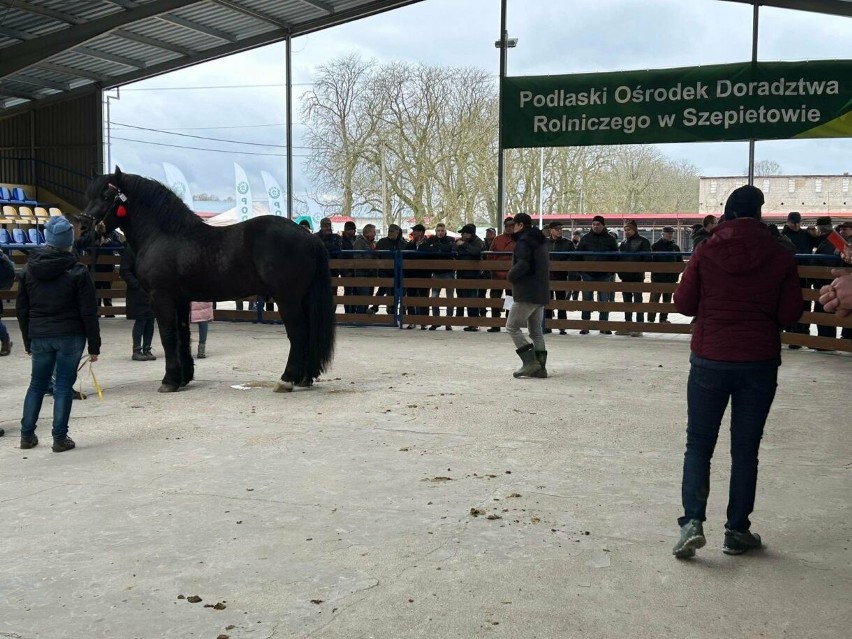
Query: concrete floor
(347,510)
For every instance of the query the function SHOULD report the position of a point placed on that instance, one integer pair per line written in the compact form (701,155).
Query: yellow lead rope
(94,379)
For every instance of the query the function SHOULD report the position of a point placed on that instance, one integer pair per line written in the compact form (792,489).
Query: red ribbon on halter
(121,211)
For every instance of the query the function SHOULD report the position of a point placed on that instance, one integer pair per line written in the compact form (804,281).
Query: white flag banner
(245,208)
(273,193)
(178,184)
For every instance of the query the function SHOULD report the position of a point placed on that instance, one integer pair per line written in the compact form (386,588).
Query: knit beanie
(59,233)
(744,202)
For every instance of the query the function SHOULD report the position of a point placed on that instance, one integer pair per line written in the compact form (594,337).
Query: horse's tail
(320,309)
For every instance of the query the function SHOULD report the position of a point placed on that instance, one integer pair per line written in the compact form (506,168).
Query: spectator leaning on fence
(530,279)
(392,242)
(468,252)
(664,245)
(418,236)
(365,243)
(633,243)
(741,286)
(440,247)
(559,249)
(503,243)
(347,243)
(598,240)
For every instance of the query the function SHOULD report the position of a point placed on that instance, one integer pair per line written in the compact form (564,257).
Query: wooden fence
(409,274)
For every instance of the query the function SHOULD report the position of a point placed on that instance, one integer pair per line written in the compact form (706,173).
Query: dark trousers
(143,333)
(654,298)
(750,391)
(561,313)
(419,292)
(603,296)
(470,293)
(496,294)
(631,297)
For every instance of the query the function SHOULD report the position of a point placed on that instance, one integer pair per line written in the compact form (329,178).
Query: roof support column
(504,36)
(754,22)
(289,99)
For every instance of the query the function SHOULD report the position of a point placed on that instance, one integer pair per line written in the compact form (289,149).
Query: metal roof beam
(74,73)
(153,42)
(830,7)
(111,57)
(254,13)
(23,36)
(13,93)
(39,82)
(200,28)
(59,16)
(319,4)
(32,51)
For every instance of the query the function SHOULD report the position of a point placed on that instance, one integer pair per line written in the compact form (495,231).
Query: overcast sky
(555,37)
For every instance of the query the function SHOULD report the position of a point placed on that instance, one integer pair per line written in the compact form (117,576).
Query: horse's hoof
(167,388)
(282,387)
(306,382)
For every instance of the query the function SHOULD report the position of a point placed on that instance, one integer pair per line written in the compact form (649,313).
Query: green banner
(766,101)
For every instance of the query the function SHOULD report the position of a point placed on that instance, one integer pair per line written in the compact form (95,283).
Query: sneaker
(562,331)
(61,445)
(139,356)
(793,347)
(584,332)
(737,542)
(28,442)
(691,539)
(434,327)
(471,329)
(494,329)
(149,355)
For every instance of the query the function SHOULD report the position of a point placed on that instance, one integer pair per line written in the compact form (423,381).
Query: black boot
(138,356)
(541,356)
(531,363)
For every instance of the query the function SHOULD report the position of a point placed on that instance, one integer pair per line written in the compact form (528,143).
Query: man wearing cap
(328,237)
(560,249)
(57,313)
(824,247)
(469,248)
(530,279)
(392,242)
(347,243)
(804,243)
(598,240)
(503,243)
(418,236)
(740,286)
(490,234)
(664,245)
(633,243)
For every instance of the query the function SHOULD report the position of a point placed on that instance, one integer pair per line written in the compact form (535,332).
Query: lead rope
(97,386)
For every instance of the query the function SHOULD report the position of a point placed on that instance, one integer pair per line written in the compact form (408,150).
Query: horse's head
(106,203)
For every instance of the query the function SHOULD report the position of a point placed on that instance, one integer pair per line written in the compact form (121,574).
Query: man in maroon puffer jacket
(742,287)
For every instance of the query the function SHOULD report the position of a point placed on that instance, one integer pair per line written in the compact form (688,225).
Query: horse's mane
(171,213)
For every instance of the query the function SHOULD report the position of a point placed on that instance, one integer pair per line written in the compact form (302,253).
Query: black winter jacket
(138,299)
(57,299)
(530,270)
(559,246)
(801,239)
(665,246)
(635,244)
(7,271)
(469,251)
(600,243)
(441,249)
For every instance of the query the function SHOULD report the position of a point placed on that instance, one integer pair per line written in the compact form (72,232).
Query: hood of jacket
(48,264)
(740,246)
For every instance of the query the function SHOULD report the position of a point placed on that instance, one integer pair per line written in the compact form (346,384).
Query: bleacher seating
(5,195)
(35,236)
(41,214)
(20,196)
(54,211)
(5,238)
(10,213)
(19,237)
(26,212)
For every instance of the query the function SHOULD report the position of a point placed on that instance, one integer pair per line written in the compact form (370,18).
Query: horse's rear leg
(297,334)
(184,346)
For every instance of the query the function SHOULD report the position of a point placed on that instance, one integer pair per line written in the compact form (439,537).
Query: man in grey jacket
(530,279)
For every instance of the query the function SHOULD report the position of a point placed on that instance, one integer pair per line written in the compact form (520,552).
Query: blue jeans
(49,353)
(603,296)
(751,389)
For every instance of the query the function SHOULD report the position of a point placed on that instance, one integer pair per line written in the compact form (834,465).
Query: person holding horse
(58,314)
(138,308)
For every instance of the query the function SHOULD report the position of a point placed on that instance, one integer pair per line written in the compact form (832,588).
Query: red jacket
(505,243)
(742,287)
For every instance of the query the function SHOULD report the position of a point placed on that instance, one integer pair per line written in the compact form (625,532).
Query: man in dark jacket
(57,314)
(559,249)
(664,245)
(440,247)
(804,243)
(598,240)
(530,279)
(700,234)
(347,243)
(469,248)
(418,236)
(392,242)
(633,243)
(138,308)
(742,287)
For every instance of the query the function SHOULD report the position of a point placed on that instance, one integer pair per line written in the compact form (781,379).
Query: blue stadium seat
(35,236)
(5,195)
(18,236)
(20,197)
(5,238)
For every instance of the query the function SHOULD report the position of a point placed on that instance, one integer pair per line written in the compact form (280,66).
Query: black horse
(180,259)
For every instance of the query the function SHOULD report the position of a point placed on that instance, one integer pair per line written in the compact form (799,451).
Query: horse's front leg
(164,309)
(184,345)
